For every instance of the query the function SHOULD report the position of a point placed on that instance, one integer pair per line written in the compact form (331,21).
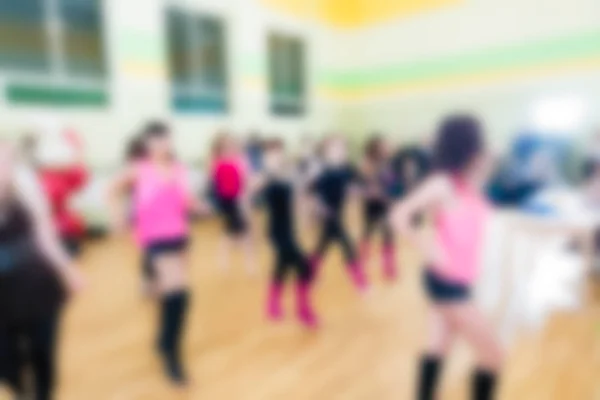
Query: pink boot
(305,312)
(274,312)
(358,276)
(389,263)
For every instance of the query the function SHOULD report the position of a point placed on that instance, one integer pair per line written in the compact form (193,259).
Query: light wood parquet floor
(365,349)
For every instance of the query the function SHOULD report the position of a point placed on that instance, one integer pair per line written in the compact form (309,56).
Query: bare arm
(116,191)
(427,197)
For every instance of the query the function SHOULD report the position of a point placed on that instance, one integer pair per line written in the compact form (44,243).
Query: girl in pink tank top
(162,202)
(230,175)
(454,198)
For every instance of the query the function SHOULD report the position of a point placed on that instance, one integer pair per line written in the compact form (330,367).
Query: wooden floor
(365,349)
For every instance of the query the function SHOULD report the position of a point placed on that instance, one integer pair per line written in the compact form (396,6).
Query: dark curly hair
(459,140)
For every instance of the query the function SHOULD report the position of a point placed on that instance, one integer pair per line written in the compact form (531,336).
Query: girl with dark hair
(331,189)
(162,203)
(454,195)
(230,178)
(35,275)
(277,189)
(375,180)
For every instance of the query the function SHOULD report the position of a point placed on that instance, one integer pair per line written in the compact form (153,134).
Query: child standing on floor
(230,177)
(162,201)
(331,189)
(278,195)
(454,196)
(36,275)
(375,176)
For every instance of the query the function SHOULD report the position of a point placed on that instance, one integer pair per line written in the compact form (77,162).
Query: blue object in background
(519,179)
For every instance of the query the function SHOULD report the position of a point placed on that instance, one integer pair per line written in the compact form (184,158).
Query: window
(286,75)
(82,38)
(55,37)
(60,41)
(197,62)
(23,43)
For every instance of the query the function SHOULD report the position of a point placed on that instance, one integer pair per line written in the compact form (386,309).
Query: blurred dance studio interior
(300,199)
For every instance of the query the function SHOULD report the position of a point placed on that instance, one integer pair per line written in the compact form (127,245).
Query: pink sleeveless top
(229,176)
(161,203)
(459,232)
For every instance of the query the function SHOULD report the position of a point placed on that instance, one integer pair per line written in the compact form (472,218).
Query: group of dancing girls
(452,196)
(331,186)
(33,283)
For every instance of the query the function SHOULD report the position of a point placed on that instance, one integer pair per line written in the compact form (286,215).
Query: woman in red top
(230,175)
(62,174)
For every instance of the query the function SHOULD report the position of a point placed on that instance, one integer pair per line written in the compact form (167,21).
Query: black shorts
(374,210)
(441,290)
(166,246)
(233,217)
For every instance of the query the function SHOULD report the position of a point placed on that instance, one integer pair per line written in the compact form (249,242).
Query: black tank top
(29,287)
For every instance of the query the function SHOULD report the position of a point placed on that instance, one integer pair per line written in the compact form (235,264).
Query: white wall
(139,85)
(473,26)
(136,39)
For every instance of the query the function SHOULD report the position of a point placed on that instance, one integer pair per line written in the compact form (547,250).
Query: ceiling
(355,13)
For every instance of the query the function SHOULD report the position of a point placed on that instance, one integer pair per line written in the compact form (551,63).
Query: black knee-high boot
(174,307)
(483,385)
(428,377)
(43,354)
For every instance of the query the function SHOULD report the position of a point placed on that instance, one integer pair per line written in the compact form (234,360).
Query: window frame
(178,94)
(55,45)
(297,106)
(20,85)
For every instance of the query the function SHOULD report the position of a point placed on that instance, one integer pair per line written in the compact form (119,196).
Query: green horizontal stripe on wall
(141,46)
(55,96)
(524,55)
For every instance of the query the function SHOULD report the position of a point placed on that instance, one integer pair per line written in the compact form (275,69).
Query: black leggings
(32,344)
(289,256)
(375,214)
(233,217)
(333,230)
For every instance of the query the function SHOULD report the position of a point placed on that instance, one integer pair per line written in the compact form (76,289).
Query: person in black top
(35,275)
(278,195)
(331,189)
(376,180)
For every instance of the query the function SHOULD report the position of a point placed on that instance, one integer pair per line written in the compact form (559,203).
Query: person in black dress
(376,180)
(331,189)
(36,275)
(278,194)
